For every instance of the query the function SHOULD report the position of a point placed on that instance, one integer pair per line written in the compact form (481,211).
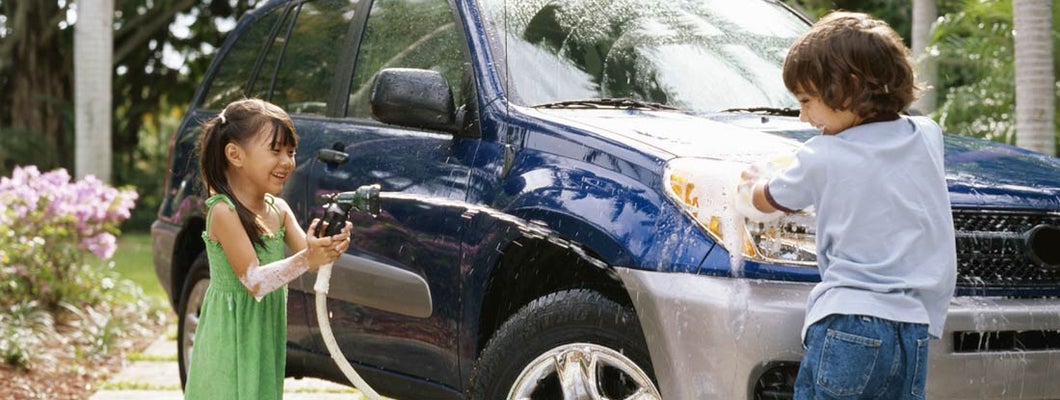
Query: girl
(246,154)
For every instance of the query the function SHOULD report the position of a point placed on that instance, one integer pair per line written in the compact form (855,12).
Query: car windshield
(699,56)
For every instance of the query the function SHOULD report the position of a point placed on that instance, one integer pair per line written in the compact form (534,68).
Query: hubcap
(191,319)
(583,371)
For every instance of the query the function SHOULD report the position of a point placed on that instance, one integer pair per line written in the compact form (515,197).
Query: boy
(885,240)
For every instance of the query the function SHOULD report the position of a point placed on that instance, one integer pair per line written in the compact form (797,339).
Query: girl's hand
(321,251)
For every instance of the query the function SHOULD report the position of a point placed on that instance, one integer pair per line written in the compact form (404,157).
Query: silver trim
(378,285)
(709,337)
(577,367)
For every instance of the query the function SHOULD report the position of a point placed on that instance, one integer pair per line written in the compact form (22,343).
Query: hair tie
(221,117)
(885,89)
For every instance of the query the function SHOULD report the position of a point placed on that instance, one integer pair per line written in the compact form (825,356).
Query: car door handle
(333,157)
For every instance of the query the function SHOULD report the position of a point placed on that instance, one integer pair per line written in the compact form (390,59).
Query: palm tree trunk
(925,13)
(93,52)
(1035,82)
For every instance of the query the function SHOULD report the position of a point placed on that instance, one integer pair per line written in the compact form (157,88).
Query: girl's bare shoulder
(281,205)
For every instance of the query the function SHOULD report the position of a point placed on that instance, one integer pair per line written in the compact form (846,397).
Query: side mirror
(417,98)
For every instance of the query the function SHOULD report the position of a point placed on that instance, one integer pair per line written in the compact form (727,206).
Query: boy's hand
(755,172)
(750,197)
(748,179)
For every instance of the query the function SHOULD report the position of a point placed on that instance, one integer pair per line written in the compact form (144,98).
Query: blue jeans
(860,357)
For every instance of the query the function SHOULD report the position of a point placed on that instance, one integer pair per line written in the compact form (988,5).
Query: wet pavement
(154,374)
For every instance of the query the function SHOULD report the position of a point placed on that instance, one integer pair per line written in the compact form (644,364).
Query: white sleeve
(795,187)
(261,280)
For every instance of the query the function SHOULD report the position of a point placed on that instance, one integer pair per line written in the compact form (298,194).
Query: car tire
(544,349)
(192,295)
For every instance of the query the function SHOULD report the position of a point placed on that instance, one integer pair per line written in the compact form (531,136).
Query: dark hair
(239,122)
(852,62)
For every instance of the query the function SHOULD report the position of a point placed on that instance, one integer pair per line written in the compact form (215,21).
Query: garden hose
(321,289)
(365,199)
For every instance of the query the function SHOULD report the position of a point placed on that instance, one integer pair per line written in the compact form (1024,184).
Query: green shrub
(48,226)
(23,328)
(56,286)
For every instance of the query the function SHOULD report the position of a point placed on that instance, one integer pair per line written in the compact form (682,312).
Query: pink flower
(102,245)
(86,210)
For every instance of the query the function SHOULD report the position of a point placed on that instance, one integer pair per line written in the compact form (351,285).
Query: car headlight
(705,189)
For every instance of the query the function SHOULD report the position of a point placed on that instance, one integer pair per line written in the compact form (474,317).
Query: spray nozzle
(337,207)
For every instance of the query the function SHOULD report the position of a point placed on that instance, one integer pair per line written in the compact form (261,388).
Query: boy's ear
(234,154)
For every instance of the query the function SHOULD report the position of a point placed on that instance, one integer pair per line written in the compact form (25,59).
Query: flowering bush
(48,224)
(60,299)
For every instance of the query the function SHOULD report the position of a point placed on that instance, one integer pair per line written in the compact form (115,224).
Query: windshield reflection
(700,56)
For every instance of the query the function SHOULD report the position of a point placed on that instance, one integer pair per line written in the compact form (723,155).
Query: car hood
(979,172)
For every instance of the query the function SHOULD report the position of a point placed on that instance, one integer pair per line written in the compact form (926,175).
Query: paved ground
(154,375)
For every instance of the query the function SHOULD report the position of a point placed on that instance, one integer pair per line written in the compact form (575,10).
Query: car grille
(993,251)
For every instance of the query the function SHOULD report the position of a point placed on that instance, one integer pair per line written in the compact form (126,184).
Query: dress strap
(210,203)
(271,201)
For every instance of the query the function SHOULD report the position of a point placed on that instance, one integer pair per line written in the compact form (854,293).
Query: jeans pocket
(920,368)
(847,361)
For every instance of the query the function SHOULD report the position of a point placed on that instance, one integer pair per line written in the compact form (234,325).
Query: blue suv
(553,220)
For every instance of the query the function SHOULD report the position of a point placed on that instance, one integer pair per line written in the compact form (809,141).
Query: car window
(230,81)
(701,55)
(310,57)
(406,34)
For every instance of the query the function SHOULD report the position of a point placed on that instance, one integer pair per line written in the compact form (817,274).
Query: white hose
(321,289)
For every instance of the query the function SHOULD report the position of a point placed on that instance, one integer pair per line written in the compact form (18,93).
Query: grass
(123,385)
(133,260)
(138,356)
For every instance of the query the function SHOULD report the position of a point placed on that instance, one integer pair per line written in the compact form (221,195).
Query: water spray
(337,208)
(367,199)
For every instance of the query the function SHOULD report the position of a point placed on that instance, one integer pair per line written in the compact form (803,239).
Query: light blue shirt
(885,240)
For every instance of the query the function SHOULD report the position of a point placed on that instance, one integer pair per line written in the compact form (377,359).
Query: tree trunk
(925,13)
(1035,82)
(37,87)
(93,52)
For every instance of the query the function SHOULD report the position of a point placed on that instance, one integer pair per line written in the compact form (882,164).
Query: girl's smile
(267,164)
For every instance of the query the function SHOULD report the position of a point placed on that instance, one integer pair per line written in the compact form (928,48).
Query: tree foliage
(161,51)
(973,45)
(163,47)
(35,82)
(897,13)
(974,48)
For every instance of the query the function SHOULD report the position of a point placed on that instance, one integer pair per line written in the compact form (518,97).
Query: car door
(295,57)
(393,296)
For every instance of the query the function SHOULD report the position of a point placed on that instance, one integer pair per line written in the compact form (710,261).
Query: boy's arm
(759,199)
(751,196)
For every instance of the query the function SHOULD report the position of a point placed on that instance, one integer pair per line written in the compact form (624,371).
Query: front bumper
(713,337)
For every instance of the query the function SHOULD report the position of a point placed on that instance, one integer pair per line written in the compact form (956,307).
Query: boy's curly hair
(852,62)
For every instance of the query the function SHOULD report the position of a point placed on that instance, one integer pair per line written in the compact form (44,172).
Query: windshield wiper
(787,112)
(620,102)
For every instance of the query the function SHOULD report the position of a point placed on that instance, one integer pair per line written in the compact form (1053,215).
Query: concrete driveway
(154,374)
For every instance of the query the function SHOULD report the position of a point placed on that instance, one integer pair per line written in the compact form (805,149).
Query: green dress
(240,345)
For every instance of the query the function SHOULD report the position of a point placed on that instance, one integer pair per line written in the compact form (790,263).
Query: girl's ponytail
(217,133)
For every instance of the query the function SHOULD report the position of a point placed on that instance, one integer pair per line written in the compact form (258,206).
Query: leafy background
(163,47)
